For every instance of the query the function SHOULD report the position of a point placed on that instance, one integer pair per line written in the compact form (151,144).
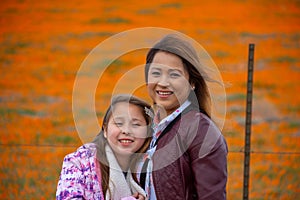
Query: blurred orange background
(43,44)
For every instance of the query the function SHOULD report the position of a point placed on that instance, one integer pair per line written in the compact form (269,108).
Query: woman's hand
(135,196)
(138,196)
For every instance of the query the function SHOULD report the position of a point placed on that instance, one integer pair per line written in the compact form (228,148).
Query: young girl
(105,169)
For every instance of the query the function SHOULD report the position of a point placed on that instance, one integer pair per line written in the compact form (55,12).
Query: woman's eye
(155,73)
(174,75)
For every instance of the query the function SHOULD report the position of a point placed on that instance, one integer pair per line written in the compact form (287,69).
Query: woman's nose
(163,81)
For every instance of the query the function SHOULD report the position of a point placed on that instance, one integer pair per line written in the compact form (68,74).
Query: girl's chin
(125,151)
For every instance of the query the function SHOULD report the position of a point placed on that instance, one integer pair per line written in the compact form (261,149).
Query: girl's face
(126,130)
(168,81)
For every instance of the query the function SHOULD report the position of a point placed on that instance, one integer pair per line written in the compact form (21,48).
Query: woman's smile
(168,81)
(164,94)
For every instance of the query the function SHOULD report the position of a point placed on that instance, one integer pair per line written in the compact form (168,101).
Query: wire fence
(296,153)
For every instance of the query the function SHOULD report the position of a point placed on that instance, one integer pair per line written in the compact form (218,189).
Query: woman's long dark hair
(184,50)
(101,141)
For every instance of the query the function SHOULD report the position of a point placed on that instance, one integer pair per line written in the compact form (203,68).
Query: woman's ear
(192,86)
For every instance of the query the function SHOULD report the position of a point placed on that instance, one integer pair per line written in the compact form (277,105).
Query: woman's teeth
(164,93)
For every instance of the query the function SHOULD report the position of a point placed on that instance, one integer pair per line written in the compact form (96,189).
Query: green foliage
(236,97)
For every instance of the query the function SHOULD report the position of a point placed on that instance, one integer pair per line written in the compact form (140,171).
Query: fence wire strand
(76,146)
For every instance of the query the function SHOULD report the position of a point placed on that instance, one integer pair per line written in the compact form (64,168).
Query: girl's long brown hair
(101,141)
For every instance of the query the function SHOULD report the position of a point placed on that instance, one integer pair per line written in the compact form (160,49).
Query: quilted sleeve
(71,184)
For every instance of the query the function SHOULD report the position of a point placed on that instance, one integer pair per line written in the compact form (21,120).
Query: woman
(188,154)
(105,169)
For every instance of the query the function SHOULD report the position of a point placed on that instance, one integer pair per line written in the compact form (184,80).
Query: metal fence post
(248,123)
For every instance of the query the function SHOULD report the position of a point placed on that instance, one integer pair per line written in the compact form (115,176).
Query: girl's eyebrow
(117,118)
(136,119)
(122,118)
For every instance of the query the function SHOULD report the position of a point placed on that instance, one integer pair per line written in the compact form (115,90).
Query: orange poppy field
(43,44)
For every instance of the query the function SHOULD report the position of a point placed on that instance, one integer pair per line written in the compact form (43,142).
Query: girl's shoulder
(84,152)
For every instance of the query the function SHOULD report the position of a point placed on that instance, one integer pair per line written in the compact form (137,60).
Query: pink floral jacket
(80,177)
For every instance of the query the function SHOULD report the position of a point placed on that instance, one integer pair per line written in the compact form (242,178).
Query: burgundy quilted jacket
(190,161)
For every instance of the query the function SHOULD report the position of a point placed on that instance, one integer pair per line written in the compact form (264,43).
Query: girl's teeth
(125,141)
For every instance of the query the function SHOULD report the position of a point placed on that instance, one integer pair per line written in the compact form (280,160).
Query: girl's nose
(126,130)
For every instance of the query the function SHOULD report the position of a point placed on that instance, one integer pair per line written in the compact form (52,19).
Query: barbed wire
(268,152)
(297,153)
(40,145)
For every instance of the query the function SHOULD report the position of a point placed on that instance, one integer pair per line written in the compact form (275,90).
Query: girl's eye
(136,125)
(118,124)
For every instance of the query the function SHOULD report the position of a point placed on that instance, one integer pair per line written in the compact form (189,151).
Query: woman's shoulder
(199,123)
(196,117)
(202,130)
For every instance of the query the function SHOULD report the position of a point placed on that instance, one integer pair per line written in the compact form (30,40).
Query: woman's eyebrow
(178,70)
(155,68)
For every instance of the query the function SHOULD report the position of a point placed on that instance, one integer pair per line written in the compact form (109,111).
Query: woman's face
(168,81)
(126,130)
